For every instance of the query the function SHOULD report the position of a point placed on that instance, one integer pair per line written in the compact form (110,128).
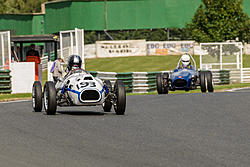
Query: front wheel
(107,105)
(50,98)
(37,96)
(120,99)
(209,77)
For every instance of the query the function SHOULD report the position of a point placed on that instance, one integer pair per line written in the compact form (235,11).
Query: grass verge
(134,64)
(217,88)
(142,63)
(18,96)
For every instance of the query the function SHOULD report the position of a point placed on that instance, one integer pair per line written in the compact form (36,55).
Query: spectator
(57,69)
(33,53)
(33,56)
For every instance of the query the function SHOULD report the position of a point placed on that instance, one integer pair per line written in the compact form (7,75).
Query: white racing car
(79,88)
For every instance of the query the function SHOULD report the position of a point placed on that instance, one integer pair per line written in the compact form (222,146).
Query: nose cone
(181,79)
(181,75)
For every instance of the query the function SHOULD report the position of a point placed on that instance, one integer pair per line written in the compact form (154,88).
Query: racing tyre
(120,100)
(165,77)
(37,96)
(107,105)
(50,98)
(203,81)
(159,83)
(209,78)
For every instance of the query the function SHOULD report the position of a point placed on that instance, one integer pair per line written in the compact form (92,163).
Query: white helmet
(185,59)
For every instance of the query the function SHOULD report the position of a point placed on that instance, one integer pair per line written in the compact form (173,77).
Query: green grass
(142,63)
(134,64)
(246,61)
(45,72)
(217,88)
(4,97)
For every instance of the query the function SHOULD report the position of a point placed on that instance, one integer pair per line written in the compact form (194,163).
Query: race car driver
(185,62)
(74,65)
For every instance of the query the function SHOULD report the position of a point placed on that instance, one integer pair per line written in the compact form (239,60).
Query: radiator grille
(180,83)
(90,95)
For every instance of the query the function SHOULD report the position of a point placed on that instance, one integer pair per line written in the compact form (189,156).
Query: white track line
(235,89)
(16,101)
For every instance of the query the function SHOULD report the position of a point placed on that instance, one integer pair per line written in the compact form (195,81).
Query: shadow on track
(81,112)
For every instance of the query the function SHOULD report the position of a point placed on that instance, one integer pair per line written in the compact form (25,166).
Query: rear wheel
(37,96)
(209,78)
(165,83)
(159,83)
(107,105)
(120,100)
(203,81)
(50,98)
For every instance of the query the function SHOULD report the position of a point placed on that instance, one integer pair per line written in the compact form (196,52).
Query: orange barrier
(37,61)
(7,64)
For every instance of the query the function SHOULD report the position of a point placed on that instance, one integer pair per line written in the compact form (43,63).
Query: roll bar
(191,59)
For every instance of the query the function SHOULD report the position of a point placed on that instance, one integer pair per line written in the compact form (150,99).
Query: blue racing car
(184,77)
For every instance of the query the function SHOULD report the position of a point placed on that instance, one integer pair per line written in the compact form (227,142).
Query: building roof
(34,38)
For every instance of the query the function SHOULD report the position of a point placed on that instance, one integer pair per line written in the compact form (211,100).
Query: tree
(220,20)
(20,6)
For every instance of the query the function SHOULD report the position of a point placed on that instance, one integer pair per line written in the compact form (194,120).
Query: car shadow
(94,113)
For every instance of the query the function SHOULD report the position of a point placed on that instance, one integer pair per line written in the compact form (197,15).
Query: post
(2,42)
(21,51)
(76,41)
(83,58)
(168,34)
(55,50)
(241,64)
(61,46)
(238,60)
(106,15)
(71,44)
(200,57)
(221,56)
(9,49)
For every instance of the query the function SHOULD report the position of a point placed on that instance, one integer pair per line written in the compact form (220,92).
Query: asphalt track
(176,130)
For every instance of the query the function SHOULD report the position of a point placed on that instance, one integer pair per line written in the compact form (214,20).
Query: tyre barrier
(224,77)
(5,81)
(127,79)
(145,82)
(135,82)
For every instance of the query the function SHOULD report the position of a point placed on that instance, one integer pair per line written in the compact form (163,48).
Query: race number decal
(86,84)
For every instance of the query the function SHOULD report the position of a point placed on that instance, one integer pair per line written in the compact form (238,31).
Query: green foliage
(214,50)
(149,35)
(21,6)
(220,20)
